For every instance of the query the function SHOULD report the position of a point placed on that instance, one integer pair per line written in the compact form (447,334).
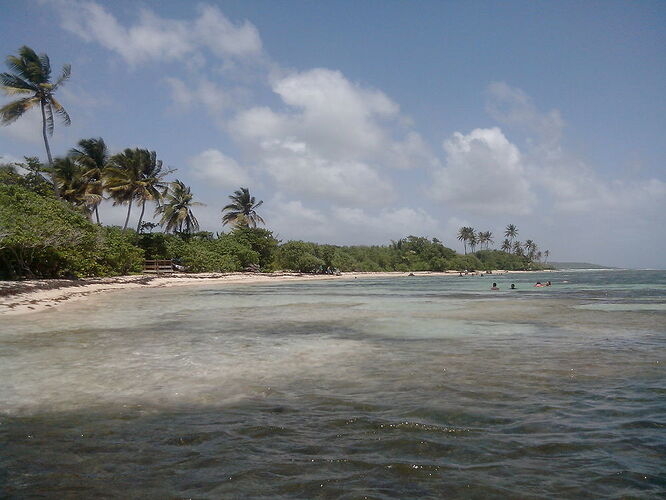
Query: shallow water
(412,387)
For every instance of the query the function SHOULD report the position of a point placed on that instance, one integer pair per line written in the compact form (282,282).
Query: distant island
(578,265)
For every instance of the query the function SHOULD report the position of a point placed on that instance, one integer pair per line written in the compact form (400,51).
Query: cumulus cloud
(299,171)
(155,38)
(218,169)
(572,184)
(483,173)
(333,141)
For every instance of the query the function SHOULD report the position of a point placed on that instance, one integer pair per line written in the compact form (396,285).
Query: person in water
(548,283)
(538,284)
(513,286)
(494,287)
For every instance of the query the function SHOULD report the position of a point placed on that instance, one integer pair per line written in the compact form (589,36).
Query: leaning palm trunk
(48,151)
(129,209)
(143,209)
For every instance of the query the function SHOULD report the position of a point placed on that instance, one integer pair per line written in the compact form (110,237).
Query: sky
(365,122)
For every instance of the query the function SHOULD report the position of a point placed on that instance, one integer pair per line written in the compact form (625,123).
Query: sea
(415,387)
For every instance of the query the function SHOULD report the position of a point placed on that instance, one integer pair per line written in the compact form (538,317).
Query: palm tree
(175,209)
(135,174)
(531,248)
(31,79)
(73,184)
(517,248)
(123,175)
(93,155)
(506,245)
(151,184)
(546,254)
(473,240)
(511,232)
(466,234)
(485,238)
(241,212)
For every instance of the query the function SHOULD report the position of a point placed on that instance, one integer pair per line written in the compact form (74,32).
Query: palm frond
(14,110)
(48,110)
(66,73)
(64,116)
(13,84)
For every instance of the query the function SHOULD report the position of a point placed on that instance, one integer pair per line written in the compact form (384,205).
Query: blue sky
(362,122)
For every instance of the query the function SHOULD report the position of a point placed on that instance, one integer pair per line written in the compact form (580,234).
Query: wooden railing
(158,266)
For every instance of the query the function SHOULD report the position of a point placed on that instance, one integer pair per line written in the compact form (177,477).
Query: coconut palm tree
(506,245)
(175,209)
(473,240)
(151,185)
(517,248)
(31,79)
(135,175)
(73,184)
(93,155)
(531,248)
(485,238)
(546,254)
(123,175)
(511,232)
(465,234)
(241,212)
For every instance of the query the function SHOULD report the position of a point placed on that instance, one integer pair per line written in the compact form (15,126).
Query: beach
(21,297)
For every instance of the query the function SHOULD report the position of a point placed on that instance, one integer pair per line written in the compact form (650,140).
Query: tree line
(530,250)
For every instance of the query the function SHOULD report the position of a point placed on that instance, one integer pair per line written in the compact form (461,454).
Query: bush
(45,237)
(298,256)
(118,253)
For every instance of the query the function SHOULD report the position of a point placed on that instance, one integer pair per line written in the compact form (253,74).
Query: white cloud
(334,141)
(215,167)
(513,107)
(212,97)
(299,171)
(574,186)
(156,38)
(483,173)
(335,117)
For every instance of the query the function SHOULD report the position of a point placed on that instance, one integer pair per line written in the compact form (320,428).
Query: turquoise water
(410,387)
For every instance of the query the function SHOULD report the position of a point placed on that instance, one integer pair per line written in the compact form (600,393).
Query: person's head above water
(513,286)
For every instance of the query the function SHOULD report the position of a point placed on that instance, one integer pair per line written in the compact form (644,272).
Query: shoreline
(28,296)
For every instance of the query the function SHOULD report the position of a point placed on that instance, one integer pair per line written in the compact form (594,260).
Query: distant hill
(578,265)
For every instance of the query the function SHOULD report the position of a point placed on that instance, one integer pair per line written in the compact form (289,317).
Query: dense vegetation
(47,212)
(41,236)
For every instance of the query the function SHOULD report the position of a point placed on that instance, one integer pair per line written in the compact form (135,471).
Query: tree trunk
(97,214)
(143,209)
(129,209)
(56,191)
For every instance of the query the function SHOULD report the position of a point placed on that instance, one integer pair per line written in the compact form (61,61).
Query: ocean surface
(407,387)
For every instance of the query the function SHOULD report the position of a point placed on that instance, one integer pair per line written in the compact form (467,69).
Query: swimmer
(494,287)
(513,286)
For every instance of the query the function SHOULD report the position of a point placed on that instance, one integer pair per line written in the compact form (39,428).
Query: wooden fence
(158,266)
